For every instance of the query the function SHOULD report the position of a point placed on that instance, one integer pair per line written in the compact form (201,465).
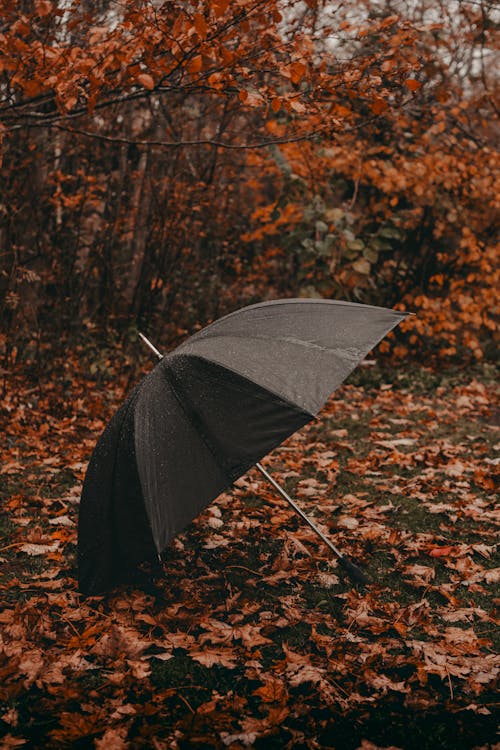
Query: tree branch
(182,144)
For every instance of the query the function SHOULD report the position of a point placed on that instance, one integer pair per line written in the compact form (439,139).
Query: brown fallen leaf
(367,745)
(272,691)
(210,657)
(38,549)
(112,739)
(9,741)
(62,521)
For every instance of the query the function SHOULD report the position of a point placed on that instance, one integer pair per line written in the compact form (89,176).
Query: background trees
(166,162)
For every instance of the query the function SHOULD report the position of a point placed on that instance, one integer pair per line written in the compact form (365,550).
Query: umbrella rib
(352,355)
(296,301)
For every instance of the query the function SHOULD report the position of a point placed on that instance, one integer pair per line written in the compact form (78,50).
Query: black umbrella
(208,412)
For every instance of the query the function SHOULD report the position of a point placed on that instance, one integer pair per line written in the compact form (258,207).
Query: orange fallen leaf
(445,551)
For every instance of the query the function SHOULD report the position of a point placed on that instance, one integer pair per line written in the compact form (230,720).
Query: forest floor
(253,637)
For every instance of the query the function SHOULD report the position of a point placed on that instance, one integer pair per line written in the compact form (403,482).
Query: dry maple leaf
(462,636)
(9,741)
(485,712)
(394,443)
(139,669)
(464,614)
(420,572)
(11,717)
(121,641)
(165,656)
(252,728)
(381,682)
(179,640)
(221,632)
(209,657)
(31,664)
(272,691)
(348,522)
(62,521)
(58,670)
(215,541)
(38,549)
(300,670)
(75,726)
(328,580)
(489,576)
(112,739)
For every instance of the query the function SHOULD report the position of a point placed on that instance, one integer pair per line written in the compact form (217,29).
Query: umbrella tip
(150,345)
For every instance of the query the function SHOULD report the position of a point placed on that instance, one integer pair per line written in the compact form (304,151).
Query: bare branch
(182,144)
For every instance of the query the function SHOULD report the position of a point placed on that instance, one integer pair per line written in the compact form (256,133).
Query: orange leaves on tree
(378,105)
(388,21)
(250,98)
(220,7)
(146,80)
(195,65)
(297,72)
(227,55)
(43,8)
(200,25)
(413,84)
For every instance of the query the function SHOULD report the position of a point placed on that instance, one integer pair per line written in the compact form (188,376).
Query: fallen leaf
(38,549)
(62,521)
(210,657)
(112,739)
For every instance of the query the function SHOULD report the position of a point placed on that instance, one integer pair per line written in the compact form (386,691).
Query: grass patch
(182,672)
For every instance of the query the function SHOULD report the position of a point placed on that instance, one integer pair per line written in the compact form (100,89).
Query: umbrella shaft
(298,510)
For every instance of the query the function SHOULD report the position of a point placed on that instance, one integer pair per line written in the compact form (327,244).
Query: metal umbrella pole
(352,570)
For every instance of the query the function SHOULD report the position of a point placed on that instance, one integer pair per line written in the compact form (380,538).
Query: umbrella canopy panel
(198,427)
(114,532)
(299,349)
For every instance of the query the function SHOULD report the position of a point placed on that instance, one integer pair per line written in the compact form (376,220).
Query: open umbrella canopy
(208,412)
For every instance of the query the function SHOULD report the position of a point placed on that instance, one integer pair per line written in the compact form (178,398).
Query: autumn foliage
(165,163)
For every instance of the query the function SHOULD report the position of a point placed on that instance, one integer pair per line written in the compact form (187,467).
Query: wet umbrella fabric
(207,413)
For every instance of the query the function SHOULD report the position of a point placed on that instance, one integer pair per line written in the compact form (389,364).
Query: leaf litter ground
(253,637)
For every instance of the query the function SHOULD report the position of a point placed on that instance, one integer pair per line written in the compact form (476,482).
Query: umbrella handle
(352,570)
